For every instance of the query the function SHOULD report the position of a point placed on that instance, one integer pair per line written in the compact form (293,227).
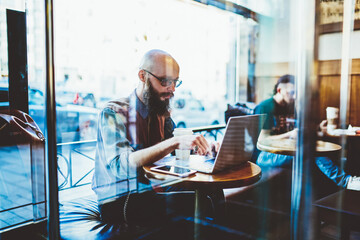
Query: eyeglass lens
(167,82)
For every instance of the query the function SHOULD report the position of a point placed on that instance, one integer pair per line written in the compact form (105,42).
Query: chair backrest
(239,109)
(18,127)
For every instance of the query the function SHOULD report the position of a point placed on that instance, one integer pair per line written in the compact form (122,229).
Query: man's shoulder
(120,105)
(266,105)
(269,101)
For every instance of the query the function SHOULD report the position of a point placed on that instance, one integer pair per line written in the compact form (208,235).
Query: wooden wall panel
(267,75)
(330,67)
(333,67)
(329,93)
(355,101)
(329,77)
(265,88)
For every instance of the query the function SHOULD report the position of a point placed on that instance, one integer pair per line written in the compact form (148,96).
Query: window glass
(230,65)
(337,84)
(98,47)
(22,142)
(226,62)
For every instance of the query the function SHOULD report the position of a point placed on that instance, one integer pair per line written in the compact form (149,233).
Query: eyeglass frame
(164,81)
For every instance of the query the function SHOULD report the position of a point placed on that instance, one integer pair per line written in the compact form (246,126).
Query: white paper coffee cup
(332,116)
(182,154)
(332,112)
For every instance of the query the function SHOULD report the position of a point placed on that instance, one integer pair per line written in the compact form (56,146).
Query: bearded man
(134,132)
(280,121)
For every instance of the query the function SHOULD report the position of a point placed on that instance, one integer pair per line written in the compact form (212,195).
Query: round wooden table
(208,184)
(288,146)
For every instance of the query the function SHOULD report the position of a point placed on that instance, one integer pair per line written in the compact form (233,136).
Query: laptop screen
(239,140)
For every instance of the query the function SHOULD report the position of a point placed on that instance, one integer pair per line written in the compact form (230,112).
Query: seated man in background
(134,132)
(280,120)
(280,123)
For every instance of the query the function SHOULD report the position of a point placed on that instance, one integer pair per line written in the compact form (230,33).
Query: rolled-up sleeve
(115,149)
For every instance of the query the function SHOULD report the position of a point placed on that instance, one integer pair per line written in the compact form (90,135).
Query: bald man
(134,132)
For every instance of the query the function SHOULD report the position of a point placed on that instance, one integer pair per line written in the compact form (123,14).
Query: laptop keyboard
(209,163)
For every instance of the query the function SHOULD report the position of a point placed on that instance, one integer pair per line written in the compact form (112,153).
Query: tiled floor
(16,193)
(15,187)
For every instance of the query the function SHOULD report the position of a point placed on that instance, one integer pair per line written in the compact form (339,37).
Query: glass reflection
(229,67)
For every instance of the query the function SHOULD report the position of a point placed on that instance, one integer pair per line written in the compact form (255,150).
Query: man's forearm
(265,134)
(154,153)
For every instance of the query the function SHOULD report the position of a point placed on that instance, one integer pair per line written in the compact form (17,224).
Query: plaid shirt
(124,126)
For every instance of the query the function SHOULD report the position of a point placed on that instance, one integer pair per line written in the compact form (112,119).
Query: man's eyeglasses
(291,92)
(166,82)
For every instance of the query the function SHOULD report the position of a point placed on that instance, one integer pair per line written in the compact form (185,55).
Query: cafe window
(22,148)
(98,47)
(231,55)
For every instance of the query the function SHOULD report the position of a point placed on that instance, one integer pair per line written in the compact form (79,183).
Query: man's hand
(265,135)
(293,133)
(323,126)
(197,142)
(214,148)
(154,153)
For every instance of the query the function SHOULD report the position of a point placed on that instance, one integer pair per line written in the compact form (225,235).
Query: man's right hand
(323,126)
(154,153)
(197,142)
(293,133)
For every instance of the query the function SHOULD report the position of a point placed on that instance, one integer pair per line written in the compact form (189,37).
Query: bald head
(157,69)
(159,62)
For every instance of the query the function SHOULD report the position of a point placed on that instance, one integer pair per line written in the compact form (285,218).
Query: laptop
(237,147)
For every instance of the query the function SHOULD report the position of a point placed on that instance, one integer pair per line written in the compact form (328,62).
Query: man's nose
(172,87)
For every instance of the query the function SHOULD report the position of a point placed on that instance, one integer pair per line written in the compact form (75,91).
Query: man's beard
(155,104)
(290,107)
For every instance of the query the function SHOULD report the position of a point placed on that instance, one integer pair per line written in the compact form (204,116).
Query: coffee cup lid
(332,109)
(183,130)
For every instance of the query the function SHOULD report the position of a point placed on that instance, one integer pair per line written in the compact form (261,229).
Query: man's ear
(141,75)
